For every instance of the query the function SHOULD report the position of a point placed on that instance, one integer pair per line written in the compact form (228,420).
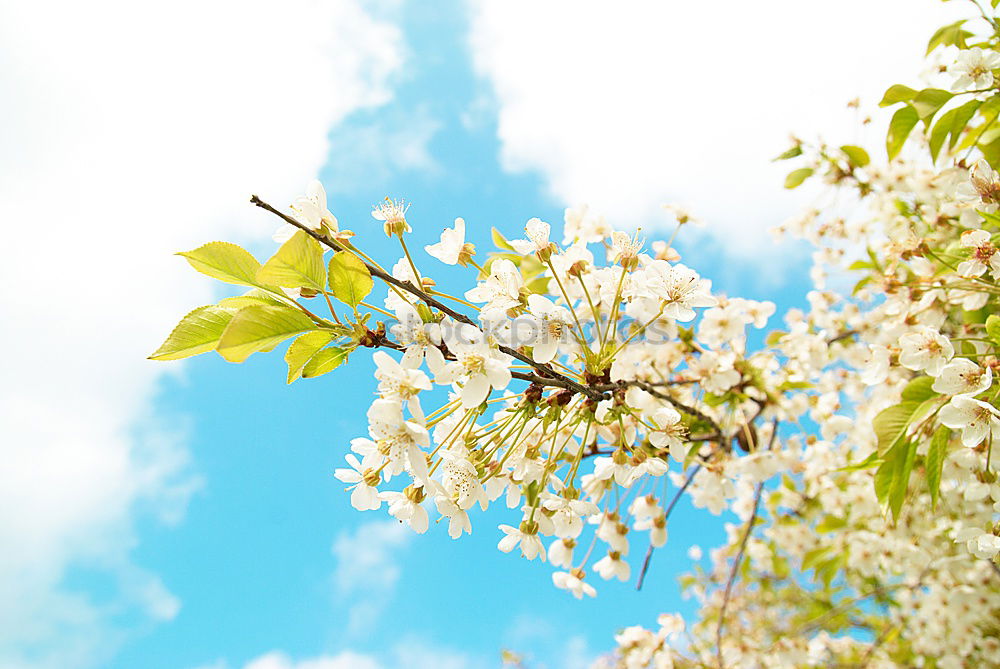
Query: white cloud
(366,153)
(345,660)
(368,570)
(130,131)
(408,653)
(632,104)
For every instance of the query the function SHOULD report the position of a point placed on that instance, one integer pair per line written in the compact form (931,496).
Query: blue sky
(182,516)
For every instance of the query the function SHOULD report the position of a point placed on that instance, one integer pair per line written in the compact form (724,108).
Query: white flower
(477,367)
(657,527)
(537,232)
(364,495)
(399,382)
(612,566)
(983,254)
(404,272)
(975,419)
(549,326)
(407,510)
(458,519)
(963,377)
(393,215)
(580,225)
(500,291)
(624,249)
(926,349)
(561,553)
(397,441)
(452,248)
(420,339)
(983,545)
(876,365)
(571,581)
(310,210)
(679,287)
(973,68)
(526,538)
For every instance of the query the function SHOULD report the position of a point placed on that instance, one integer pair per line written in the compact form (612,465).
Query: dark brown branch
(548,373)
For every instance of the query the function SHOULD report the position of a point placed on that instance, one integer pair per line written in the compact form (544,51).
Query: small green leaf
(814,556)
(993,328)
(947,35)
(198,332)
(325,361)
(919,389)
(990,108)
(890,424)
(929,101)
(297,264)
(793,152)
(303,349)
(902,123)
(897,93)
(500,241)
(856,155)
(350,280)
(796,177)
(225,262)
(255,329)
(252,298)
(934,462)
(872,460)
(893,476)
(961,120)
(941,130)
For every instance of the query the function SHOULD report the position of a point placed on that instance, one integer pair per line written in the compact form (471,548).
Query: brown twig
(548,375)
(666,514)
(739,556)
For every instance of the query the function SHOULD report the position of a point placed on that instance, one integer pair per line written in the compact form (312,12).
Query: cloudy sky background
(183,515)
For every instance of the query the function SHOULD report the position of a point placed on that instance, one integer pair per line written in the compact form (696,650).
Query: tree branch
(547,372)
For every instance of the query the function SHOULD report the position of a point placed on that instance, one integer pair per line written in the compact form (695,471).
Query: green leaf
(993,328)
(929,101)
(500,241)
(941,130)
(947,35)
(990,108)
(252,298)
(961,120)
(225,262)
(934,461)
(255,329)
(303,349)
(297,264)
(350,280)
(856,155)
(814,556)
(890,424)
(796,177)
(900,126)
(198,332)
(893,476)
(919,389)
(872,460)
(897,93)
(793,152)
(325,361)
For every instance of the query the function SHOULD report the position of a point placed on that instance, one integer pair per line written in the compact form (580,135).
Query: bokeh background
(183,515)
